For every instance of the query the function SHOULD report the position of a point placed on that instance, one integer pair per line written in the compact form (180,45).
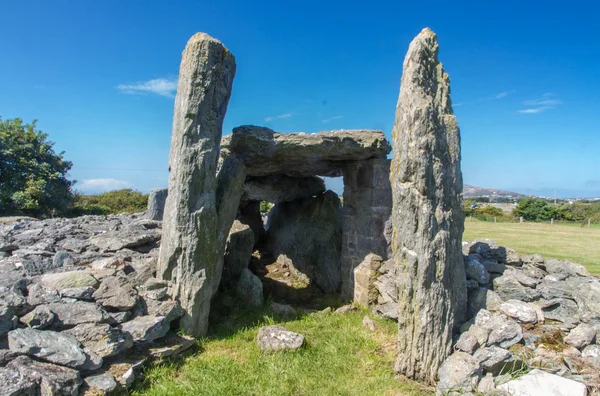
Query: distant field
(561,241)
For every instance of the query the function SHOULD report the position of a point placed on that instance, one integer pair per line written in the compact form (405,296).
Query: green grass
(564,242)
(339,358)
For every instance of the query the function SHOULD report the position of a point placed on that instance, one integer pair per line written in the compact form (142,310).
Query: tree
(33,177)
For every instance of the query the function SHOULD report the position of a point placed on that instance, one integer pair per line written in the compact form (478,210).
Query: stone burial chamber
(308,230)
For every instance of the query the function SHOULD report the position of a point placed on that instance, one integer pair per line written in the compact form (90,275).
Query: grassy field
(565,242)
(339,358)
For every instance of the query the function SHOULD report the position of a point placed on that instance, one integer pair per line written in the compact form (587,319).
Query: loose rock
(277,338)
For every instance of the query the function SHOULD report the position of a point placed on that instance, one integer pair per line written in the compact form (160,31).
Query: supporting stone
(306,236)
(197,214)
(427,215)
(156,203)
(367,206)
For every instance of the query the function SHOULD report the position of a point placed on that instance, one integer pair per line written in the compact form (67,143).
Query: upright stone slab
(156,203)
(197,212)
(367,206)
(427,215)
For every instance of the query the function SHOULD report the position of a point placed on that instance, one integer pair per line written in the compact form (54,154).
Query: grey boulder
(581,336)
(51,346)
(102,339)
(460,373)
(49,379)
(249,289)
(519,310)
(39,318)
(538,382)
(117,293)
(146,328)
(277,338)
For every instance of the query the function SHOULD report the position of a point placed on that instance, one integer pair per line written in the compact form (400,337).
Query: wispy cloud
(545,102)
(534,110)
(102,185)
(159,86)
(332,118)
(279,117)
(499,95)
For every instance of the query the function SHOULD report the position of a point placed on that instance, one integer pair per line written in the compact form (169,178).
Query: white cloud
(159,86)
(332,118)
(544,103)
(279,117)
(503,94)
(535,110)
(489,98)
(101,185)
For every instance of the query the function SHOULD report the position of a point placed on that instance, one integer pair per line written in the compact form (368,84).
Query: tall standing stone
(199,209)
(427,214)
(156,203)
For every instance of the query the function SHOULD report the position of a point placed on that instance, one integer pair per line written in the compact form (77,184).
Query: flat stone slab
(266,152)
(51,346)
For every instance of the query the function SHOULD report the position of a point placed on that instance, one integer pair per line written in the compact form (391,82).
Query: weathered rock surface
(277,338)
(51,346)
(102,339)
(39,318)
(118,240)
(281,188)
(199,209)
(476,271)
(16,384)
(266,152)
(74,313)
(66,280)
(497,360)
(502,331)
(581,336)
(146,328)
(238,251)
(156,203)
(8,320)
(117,293)
(427,215)
(460,373)
(519,310)
(104,383)
(538,382)
(249,289)
(306,236)
(49,379)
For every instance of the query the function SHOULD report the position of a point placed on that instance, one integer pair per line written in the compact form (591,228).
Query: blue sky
(100,77)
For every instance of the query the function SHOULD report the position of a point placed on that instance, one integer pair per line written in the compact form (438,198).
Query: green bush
(33,177)
(111,202)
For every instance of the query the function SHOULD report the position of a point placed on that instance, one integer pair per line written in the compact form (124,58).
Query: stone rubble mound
(526,313)
(80,308)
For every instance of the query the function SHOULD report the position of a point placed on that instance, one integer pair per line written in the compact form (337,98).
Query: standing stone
(427,215)
(306,236)
(200,208)
(156,203)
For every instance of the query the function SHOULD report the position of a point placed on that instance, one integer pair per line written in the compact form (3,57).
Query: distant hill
(472,192)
